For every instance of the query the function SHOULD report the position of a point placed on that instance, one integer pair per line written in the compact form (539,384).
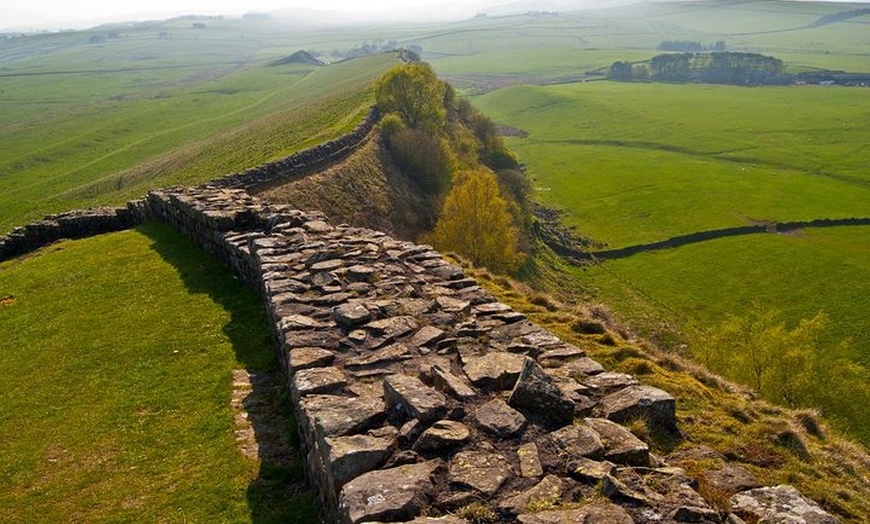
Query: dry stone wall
(420,398)
(304,162)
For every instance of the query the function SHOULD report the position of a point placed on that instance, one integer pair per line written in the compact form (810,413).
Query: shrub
(424,158)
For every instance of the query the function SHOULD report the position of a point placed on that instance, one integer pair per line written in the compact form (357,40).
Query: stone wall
(73,224)
(304,162)
(417,393)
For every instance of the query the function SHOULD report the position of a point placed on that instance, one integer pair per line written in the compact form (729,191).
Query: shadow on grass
(279,493)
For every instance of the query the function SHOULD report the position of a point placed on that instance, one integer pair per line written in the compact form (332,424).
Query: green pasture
(118,352)
(801,273)
(638,163)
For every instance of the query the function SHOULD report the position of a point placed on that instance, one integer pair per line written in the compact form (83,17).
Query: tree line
(690,46)
(713,68)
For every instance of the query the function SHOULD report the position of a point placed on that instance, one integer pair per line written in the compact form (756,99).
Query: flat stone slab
(394,327)
(389,354)
(536,393)
(427,336)
(444,434)
(548,490)
(415,398)
(496,370)
(586,469)
(595,513)
(332,415)
(781,504)
(392,495)
(608,382)
(305,358)
(351,456)
(580,368)
(318,380)
(449,383)
(483,471)
(646,402)
(620,445)
(500,419)
(298,323)
(530,460)
(351,314)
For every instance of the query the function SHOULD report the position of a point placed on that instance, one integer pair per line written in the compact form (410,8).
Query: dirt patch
(8,300)
(262,432)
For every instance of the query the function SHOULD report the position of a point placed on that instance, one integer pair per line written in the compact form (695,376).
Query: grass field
(631,164)
(116,407)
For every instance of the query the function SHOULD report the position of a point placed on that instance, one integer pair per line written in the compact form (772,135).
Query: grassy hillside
(80,140)
(118,407)
(366,190)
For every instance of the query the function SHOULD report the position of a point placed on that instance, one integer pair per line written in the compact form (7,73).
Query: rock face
(416,392)
(779,505)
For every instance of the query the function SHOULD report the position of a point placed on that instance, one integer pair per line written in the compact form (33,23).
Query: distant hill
(299,57)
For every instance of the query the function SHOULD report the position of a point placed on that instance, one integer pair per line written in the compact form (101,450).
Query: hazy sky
(81,13)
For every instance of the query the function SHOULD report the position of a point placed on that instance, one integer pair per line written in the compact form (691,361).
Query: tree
(475,223)
(414,93)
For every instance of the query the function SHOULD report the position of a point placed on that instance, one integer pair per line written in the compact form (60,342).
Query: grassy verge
(118,351)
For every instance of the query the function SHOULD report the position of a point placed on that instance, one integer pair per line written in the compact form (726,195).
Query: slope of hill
(366,190)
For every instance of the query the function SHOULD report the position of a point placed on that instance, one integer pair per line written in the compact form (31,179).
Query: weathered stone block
(496,370)
(333,415)
(548,490)
(595,513)
(305,358)
(579,441)
(647,402)
(351,456)
(780,504)
(391,495)
(500,419)
(317,380)
(530,460)
(536,393)
(351,314)
(620,445)
(451,384)
(483,471)
(444,434)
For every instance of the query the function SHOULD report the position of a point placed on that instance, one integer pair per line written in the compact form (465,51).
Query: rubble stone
(415,398)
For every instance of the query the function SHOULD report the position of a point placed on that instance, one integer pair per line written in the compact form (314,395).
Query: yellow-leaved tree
(475,223)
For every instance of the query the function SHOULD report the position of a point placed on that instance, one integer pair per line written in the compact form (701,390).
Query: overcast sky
(80,14)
